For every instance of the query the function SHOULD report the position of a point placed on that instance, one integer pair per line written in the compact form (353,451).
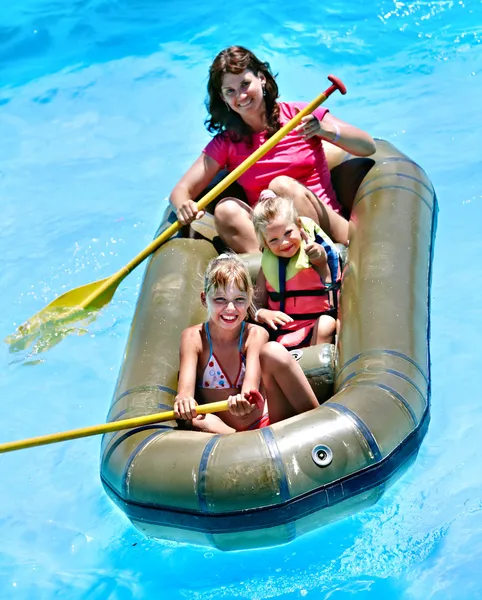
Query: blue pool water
(101,111)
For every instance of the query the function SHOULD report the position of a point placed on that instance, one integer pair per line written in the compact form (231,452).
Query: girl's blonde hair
(226,269)
(270,208)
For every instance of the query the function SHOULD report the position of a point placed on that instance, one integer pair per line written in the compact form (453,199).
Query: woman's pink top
(302,160)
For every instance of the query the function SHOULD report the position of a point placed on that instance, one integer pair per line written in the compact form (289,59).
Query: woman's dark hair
(237,59)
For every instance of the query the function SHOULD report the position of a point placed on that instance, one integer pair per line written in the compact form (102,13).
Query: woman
(244,112)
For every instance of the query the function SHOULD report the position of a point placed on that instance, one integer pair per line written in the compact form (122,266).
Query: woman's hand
(341,134)
(188,212)
(310,127)
(315,252)
(273,318)
(240,405)
(185,408)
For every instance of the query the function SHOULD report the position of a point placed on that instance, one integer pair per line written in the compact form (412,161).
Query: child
(299,277)
(222,357)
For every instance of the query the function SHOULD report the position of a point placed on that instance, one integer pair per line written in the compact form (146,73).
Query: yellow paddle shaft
(217,189)
(63,436)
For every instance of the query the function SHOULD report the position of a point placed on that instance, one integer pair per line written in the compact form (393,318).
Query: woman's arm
(346,136)
(191,184)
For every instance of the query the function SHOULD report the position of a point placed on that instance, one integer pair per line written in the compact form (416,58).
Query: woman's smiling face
(243,92)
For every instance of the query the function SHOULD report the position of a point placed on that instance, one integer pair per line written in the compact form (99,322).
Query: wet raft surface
(266,487)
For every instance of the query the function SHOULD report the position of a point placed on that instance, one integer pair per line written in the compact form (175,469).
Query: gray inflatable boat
(266,487)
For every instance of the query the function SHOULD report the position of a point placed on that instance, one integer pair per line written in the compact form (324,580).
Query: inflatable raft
(266,487)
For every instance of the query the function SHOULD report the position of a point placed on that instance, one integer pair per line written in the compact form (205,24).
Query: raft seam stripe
(125,410)
(144,388)
(408,380)
(202,472)
(169,220)
(429,290)
(390,353)
(387,372)
(404,159)
(361,426)
(392,392)
(393,187)
(127,435)
(148,388)
(291,530)
(404,175)
(275,454)
(126,475)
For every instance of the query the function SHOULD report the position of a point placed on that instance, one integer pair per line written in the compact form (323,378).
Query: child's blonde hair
(229,268)
(270,208)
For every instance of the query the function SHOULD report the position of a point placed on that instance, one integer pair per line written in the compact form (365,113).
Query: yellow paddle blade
(45,330)
(74,299)
(54,322)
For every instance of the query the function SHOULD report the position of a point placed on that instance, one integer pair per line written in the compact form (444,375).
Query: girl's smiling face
(282,237)
(227,306)
(243,92)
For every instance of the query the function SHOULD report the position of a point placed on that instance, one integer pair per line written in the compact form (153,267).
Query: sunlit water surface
(101,111)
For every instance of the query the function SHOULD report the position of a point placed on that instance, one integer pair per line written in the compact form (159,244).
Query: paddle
(52,438)
(72,304)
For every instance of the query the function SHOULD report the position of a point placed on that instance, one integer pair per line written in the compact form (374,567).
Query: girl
(222,357)
(299,276)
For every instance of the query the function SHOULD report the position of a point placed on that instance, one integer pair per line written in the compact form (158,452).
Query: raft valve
(322,455)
